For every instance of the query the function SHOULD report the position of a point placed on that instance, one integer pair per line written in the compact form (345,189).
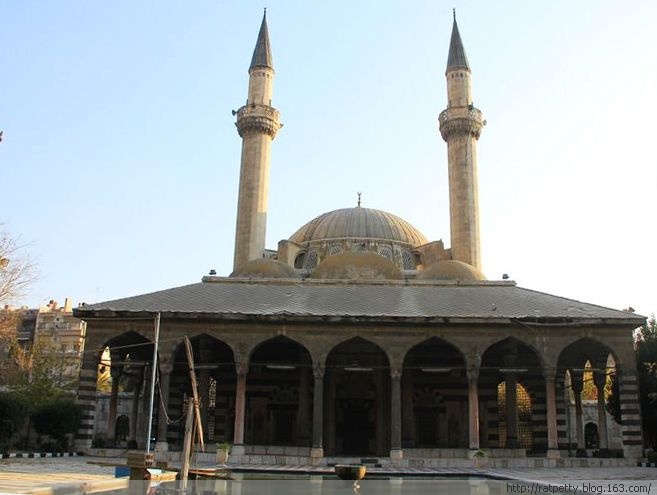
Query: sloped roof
(224,298)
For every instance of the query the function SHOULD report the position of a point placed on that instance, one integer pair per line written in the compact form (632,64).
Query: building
(55,330)
(359,337)
(58,330)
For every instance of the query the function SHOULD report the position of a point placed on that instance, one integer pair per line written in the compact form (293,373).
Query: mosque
(358,337)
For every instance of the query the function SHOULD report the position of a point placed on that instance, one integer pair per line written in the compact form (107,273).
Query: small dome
(451,270)
(359,223)
(357,266)
(264,268)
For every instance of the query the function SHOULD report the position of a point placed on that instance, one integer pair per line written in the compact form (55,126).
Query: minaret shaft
(257,124)
(460,127)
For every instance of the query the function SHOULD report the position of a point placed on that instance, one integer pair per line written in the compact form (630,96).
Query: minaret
(460,127)
(257,124)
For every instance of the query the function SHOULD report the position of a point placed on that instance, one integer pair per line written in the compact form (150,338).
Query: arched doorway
(123,373)
(513,406)
(587,368)
(279,394)
(214,366)
(434,405)
(358,399)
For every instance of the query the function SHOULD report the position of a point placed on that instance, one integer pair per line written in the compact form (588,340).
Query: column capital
(550,373)
(396,372)
(165,366)
(472,373)
(241,367)
(600,378)
(318,371)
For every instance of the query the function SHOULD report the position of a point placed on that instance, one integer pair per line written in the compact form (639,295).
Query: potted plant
(223,451)
(479,458)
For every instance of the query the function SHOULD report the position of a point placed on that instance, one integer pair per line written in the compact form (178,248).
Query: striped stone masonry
(630,414)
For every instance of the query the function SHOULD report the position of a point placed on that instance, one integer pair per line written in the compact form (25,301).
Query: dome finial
(453,12)
(359,195)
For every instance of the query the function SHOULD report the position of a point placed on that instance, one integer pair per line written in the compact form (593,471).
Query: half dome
(451,270)
(357,266)
(264,268)
(359,223)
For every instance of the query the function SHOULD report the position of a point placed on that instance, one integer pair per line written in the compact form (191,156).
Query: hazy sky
(120,159)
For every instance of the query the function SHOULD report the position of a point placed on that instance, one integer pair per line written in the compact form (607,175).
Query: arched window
(334,249)
(300,260)
(386,252)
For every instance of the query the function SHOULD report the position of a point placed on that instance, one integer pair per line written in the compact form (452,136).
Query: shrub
(57,419)
(12,417)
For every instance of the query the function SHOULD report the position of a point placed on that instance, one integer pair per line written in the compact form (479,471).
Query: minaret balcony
(461,120)
(255,117)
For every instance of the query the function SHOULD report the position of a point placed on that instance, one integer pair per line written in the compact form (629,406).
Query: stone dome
(451,270)
(264,268)
(359,223)
(357,266)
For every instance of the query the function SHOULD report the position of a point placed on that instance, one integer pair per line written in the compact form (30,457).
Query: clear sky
(120,159)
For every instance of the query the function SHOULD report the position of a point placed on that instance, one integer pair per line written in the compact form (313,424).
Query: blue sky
(120,158)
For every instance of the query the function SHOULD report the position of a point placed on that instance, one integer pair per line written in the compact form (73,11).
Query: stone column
(204,397)
(511,412)
(116,371)
(381,407)
(396,451)
(551,405)
(166,367)
(303,410)
(240,408)
(134,413)
(577,385)
(317,451)
(86,399)
(332,411)
(473,407)
(407,409)
(630,409)
(599,378)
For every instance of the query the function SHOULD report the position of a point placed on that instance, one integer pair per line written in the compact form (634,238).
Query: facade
(56,329)
(359,337)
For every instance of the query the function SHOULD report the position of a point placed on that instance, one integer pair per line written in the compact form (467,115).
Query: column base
(396,454)
(160,451)
(553,454)
(512,443)
(238,450)
(316,455)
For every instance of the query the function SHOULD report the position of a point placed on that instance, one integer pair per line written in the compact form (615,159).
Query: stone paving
(62,476)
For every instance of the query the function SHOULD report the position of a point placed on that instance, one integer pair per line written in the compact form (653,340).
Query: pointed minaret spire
(456,58)
(262,52)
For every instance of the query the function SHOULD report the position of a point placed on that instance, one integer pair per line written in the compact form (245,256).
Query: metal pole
(153,376)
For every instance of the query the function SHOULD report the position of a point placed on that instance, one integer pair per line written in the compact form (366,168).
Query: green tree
(37,376)
(646,357)
(12,417)
(57,419)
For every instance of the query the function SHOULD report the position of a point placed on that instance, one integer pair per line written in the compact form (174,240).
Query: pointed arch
(434,407)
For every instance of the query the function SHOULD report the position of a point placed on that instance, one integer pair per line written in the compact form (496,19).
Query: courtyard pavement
(77,475)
